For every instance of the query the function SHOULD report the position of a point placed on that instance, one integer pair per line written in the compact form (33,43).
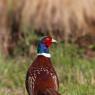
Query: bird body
(41,77)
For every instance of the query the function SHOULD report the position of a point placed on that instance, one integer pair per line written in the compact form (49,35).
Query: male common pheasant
(41,77)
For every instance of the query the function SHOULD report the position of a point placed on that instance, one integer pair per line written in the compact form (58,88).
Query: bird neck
(43,50)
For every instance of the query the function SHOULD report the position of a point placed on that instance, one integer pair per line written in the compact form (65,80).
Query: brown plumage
(41,77)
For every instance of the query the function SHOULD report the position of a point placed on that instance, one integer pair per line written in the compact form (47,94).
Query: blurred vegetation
(21,26)
(75,72)
(64,19)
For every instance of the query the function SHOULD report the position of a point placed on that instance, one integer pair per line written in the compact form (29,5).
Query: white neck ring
(45,54)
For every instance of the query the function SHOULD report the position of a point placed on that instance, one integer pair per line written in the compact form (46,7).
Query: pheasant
(41,78)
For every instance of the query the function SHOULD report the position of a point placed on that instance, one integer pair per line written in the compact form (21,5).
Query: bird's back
(41,76)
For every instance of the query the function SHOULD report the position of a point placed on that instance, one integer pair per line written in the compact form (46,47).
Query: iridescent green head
(44,44)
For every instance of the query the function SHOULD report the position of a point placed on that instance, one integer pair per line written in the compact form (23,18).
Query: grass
(76,74)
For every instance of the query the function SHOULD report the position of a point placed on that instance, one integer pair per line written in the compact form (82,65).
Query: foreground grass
(76,74)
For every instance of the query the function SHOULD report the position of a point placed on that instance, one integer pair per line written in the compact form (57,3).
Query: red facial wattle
(47,41)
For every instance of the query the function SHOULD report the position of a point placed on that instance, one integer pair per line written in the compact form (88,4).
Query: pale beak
(54,41)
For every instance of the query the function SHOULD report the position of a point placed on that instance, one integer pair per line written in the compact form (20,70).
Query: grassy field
(76,74)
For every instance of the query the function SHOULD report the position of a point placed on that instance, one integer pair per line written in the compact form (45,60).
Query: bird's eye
(47,38)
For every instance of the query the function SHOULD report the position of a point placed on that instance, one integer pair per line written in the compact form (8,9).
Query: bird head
(47,40)
(44,44)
